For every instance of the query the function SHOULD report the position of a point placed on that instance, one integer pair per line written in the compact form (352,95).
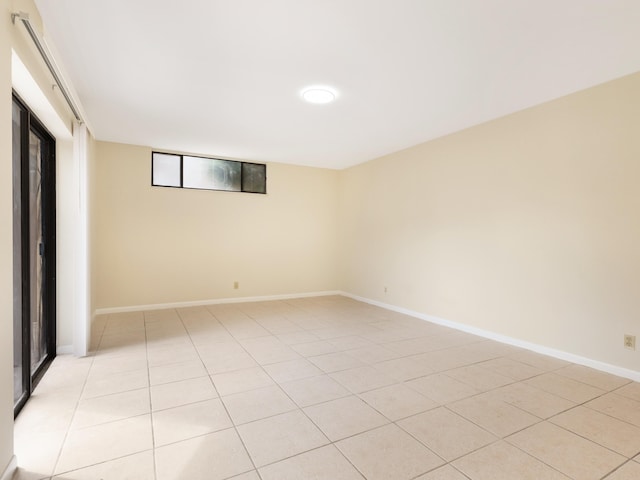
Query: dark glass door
(33,251)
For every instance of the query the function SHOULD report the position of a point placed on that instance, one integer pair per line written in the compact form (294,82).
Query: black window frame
(31,124)
(243,188)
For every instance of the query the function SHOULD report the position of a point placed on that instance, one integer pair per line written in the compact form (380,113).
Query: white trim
(11,469)
(217,301)
(26,86)
(552,352)
(81,328)
(65,350)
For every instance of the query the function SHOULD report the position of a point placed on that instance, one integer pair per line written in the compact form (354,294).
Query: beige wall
(6,245)
(156,245)
(527,226)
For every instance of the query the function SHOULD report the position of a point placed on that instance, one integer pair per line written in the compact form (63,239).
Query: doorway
(34,251)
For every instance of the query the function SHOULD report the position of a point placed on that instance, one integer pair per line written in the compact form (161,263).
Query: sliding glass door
(34,248)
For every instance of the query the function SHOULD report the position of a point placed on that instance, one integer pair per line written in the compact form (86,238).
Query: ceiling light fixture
(319,94)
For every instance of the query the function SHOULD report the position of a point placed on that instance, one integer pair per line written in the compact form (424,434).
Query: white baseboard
(552,352)
(217,301)
(10,470)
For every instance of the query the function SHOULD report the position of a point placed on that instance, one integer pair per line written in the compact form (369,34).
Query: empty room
(330,240)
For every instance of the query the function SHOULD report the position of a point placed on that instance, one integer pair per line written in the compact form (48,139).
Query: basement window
(204,173)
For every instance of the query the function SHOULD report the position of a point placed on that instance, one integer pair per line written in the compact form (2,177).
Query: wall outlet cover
(630,342)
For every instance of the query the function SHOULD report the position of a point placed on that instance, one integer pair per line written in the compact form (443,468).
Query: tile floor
(320,388)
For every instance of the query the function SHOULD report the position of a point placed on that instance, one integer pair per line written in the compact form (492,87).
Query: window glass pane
(254,178)
(166,170)
(36,241)
(211,174)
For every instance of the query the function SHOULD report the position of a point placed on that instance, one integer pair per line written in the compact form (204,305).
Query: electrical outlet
(236,285)
(630,342)
(385,289)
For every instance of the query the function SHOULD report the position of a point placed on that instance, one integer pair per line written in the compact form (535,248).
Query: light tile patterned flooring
(320,388)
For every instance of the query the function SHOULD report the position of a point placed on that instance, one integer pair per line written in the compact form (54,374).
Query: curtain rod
(24,17)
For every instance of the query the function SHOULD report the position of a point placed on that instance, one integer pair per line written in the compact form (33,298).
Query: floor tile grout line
(374,428)
(599,387)
(506,440)
(548,420)
(153,435)
(319,447)
(605,476)
(525,381)
(438,468)
(390,422)
(80,398)
(100,397)
(383,426)
(586,405)
(175,442)
(590,440)
(356,395)
(219,396)
(623,395)
(76,408)
(479,394)
(75,411)
(103,462)
(204,400)
(330,442)
(501,438)
(606,391)
(109,422)
(102,333)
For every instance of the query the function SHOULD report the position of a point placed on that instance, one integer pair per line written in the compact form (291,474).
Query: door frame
(29,122)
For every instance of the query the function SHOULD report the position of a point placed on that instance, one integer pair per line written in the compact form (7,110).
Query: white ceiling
(222,77)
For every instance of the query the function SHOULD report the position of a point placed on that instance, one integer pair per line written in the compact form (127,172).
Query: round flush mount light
(319,94)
